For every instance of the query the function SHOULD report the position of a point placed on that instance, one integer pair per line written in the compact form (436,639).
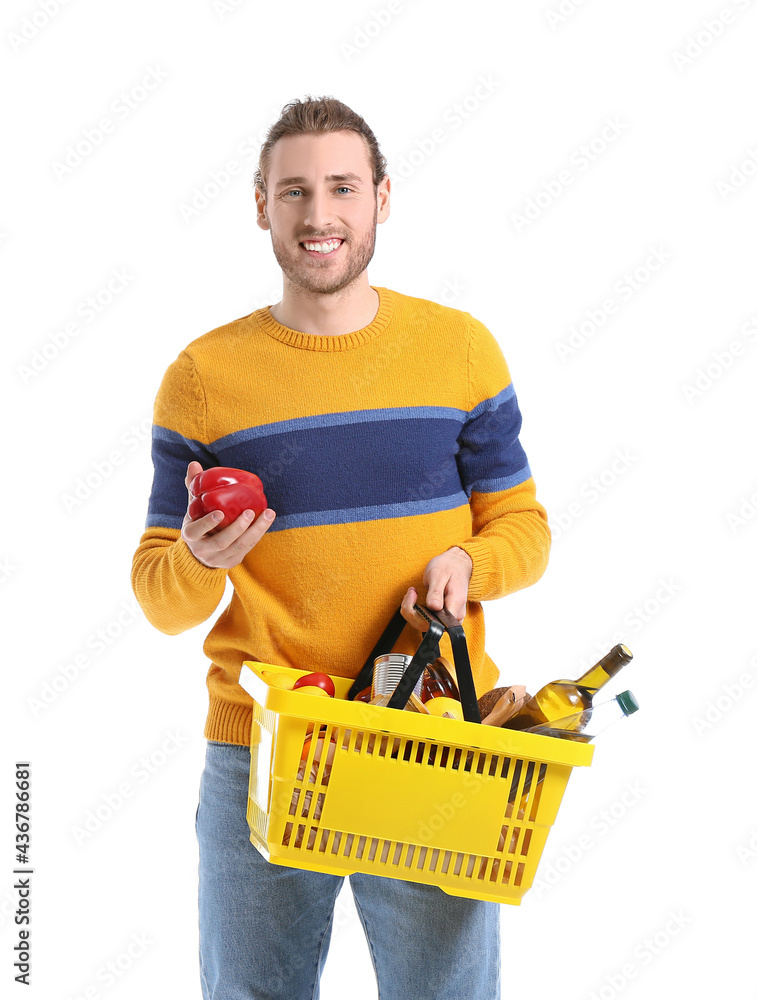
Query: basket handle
(438,622)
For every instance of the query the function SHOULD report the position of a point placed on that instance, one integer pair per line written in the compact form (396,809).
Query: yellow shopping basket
(340,786)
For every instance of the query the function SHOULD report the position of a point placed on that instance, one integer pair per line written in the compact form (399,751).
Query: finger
(416,620)
(436,585)
(406,606)
(243,533)
(193,530)
(193,469)
(455,600)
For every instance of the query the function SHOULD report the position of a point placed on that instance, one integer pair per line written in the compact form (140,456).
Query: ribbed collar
(317,342)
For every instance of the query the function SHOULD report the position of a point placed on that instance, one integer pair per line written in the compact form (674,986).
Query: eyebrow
(330,177)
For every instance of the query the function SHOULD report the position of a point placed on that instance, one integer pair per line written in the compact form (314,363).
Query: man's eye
(344,189)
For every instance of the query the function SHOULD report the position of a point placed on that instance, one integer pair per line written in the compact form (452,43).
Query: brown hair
(317,116)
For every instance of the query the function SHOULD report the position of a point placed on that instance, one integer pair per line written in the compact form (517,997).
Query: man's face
(320,187)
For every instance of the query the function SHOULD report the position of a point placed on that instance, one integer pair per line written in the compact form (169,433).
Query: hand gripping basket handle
(438,622)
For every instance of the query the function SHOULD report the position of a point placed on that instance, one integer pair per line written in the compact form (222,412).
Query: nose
(319,213)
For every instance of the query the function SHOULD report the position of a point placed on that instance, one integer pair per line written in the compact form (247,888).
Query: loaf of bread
(487,701)
(501,704)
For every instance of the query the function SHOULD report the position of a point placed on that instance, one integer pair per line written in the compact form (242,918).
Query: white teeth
(323,247)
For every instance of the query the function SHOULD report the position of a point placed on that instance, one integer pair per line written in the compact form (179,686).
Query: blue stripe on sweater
(337,468)
(337,419)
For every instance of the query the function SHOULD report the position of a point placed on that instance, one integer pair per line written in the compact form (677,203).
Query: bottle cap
(628,702)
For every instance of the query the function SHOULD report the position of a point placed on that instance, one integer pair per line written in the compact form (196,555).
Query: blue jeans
(265,928)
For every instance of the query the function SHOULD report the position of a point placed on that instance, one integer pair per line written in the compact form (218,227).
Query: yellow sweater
(378,450)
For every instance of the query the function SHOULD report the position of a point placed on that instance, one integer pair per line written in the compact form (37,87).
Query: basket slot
(350,740)
(400,852)
(524,787)
(483,868)
(295,806)
(501,872)
(536,795)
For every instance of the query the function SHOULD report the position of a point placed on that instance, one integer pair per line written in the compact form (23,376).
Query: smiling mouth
(321,248)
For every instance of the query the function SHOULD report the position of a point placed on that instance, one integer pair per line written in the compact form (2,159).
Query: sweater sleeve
(511,538)
(175,590)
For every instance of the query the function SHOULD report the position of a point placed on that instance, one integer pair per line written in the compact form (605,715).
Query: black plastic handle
(428,651)
(461,659)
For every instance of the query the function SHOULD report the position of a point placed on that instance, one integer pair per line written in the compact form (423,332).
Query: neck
(327,314)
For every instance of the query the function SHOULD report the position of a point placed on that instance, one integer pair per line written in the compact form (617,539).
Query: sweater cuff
(188,567)
(483,565)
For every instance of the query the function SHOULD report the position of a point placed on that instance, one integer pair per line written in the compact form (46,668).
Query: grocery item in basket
(445,708)
(561,698)
(414,704)
(487,701)
(381,700)
(510,701)
(312,689)
(231,491)
(438,681)
(316,680)
(584,726)
(387,673)
(278,679)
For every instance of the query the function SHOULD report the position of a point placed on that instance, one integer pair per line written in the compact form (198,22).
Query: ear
(262,218)
(382,199)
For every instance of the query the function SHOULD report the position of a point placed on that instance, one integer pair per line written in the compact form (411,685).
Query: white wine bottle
(561,698)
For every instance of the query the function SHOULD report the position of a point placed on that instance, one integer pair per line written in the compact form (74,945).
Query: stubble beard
(324,279)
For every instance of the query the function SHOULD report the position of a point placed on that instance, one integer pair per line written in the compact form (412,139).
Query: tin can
(387,673)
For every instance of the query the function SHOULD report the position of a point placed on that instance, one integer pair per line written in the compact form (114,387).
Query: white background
(658,551)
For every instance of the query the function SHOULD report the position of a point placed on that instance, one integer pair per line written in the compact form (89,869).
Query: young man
(385,431)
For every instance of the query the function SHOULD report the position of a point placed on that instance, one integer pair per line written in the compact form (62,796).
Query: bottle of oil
(561,698)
